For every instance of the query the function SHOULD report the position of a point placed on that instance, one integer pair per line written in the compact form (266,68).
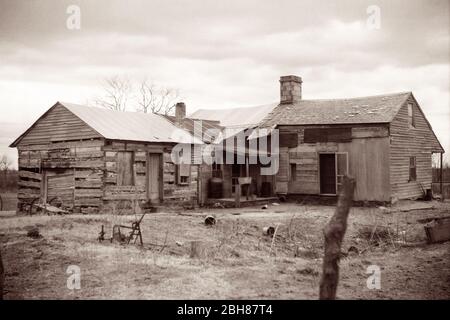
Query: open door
(333,168)
(327,173)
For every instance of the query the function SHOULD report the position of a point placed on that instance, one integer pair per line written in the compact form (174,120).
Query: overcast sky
(222,53)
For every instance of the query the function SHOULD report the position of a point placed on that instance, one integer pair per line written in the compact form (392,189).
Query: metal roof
(133,126)
(129,126)
(372,109)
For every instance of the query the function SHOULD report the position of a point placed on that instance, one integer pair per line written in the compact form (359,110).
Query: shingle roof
(372,109)
(236,117)
(208,127)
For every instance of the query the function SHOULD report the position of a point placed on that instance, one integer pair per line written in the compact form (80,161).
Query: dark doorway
(327,174)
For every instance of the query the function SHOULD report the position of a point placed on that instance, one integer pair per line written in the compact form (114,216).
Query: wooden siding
(369,164)
(406,142)
(368,157)
(120,198)
(58,124)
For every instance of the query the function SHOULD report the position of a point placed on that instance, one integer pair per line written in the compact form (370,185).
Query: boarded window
(314,135)
(411,122)
(183,173)
(125,168)
(289,140)
(412,169)
(293,171)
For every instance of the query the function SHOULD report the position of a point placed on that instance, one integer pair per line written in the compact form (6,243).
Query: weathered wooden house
(235,121)
(384,141)
(98,160)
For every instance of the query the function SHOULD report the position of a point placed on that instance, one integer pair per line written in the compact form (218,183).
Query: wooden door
(154,185)
(341,169)
(327,173)
(125,174)
(60,187)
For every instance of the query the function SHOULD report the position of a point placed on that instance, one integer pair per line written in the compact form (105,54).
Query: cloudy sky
(222,53)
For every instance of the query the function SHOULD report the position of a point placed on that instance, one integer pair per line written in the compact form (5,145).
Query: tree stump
(334,233)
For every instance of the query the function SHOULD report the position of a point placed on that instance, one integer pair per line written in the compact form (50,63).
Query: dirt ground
(239,262)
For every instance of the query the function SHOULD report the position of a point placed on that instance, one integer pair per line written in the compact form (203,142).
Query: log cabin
(93,160)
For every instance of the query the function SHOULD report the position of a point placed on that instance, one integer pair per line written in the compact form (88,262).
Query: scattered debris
(268,231)
(101,234)
(307,253)
(353,250)
(34,233)
(210,221)
(375,235)
(438,230)
(308,271)
(179,243)
(275,204)
(218,205)
(265,207)
(117,235)
(134,234)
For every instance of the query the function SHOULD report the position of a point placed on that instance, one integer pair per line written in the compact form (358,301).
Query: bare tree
(117,93)
(5,163)
(154,99)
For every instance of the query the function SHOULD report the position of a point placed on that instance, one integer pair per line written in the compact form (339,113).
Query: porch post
(440,179)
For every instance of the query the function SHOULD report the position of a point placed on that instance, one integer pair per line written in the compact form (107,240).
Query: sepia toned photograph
(245,152)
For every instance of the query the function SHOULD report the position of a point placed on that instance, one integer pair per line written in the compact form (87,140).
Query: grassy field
(240,262)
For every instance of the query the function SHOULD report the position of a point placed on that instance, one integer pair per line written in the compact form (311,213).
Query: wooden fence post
(334,233)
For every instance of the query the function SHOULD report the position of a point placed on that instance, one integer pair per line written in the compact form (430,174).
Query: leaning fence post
(334,233)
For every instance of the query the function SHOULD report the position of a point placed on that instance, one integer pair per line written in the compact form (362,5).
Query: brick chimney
(180,112)
(290,89)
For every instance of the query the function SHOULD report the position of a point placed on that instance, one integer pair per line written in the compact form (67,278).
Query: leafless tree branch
(156,99)
(117,92)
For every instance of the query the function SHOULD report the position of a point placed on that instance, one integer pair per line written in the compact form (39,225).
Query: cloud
(224,53)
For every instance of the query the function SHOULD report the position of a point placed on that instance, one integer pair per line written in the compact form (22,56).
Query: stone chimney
(180,112)
(290,89)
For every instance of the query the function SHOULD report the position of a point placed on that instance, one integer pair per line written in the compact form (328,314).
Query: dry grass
(8,201)
(240,261)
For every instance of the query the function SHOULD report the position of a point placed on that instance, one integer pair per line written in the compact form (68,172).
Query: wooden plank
(90,183)
(29,184)
(88,193)
(125,172)
(30,175)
